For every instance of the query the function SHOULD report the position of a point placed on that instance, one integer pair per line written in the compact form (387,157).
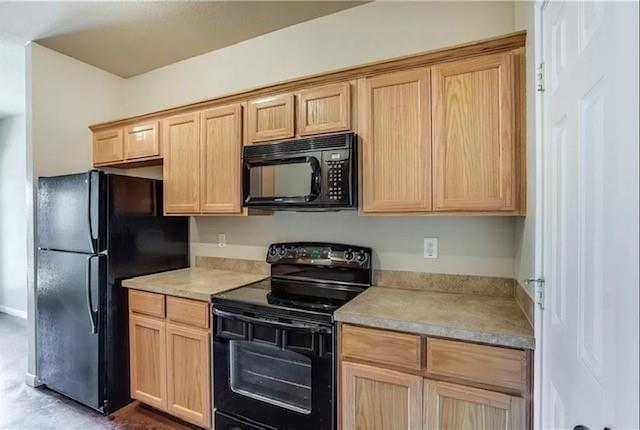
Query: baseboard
(31,380)
(13,312)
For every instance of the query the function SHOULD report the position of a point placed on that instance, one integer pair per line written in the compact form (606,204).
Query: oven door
(278,374)
(282,181)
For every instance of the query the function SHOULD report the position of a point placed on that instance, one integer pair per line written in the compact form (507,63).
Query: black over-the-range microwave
(312,174)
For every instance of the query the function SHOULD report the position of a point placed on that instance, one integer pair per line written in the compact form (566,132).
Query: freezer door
(69,349)
(70,212)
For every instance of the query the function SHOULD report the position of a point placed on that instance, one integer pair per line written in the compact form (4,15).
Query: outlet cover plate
(430,247)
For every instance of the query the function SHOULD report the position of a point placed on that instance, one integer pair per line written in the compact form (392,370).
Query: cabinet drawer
(382,346)
(142,302)
(189,312)
(490,365)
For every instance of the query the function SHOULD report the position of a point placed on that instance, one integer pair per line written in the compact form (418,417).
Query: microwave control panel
(337,175)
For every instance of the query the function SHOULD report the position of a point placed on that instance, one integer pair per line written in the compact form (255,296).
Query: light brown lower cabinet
(170,362)
(148,351)
(374,398)
(188,393)
(453,406)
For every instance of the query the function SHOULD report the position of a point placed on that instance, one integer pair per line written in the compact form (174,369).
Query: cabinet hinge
(538,287)
(540,78)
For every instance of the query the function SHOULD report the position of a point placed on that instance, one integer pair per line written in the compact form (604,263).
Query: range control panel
(317,253)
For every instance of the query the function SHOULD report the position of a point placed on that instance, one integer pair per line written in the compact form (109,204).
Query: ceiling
(129,38)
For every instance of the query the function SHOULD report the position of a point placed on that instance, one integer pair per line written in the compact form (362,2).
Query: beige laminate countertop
(197,283)
(472,317)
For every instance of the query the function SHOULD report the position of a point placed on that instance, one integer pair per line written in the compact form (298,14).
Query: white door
(590,218)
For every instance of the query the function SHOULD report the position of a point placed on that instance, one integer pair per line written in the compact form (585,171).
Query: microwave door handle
(316,179)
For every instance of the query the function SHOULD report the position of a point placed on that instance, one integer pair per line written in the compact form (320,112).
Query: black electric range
(274,361)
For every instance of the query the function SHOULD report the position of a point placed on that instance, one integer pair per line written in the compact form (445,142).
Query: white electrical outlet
(222,240)
(430,247)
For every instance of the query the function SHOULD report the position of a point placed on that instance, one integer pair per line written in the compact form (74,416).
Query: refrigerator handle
(92,239)
(93,315)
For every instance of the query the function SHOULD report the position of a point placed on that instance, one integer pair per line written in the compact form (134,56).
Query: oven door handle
(314,328)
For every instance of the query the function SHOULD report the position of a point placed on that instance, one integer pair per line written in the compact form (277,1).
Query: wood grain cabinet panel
(271,118)
(325,109)
(181,140)
(381,346)
(147,349)
(188,374)
(143,302)
(452,406)
(107,147)
(142,141)
(221,157)
(190,312)
(488,365)
(395,128)
(474,134)
(380,399)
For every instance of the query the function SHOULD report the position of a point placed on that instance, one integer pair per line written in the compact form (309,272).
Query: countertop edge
(498,339)
(203,297)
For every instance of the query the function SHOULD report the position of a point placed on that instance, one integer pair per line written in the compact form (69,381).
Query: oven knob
(361,258)
(348,255)
(273,251)
(283,251)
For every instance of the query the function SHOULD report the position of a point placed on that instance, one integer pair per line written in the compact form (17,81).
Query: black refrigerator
(94,230)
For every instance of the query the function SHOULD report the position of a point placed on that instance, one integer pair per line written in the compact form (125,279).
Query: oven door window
(288,180)
(270,374)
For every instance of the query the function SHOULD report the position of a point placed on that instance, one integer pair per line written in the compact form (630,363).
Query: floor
(23,407)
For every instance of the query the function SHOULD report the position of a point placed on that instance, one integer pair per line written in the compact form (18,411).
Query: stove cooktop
(311,297)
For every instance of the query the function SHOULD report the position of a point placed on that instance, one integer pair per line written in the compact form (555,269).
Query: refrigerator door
(69,335)
(70,213)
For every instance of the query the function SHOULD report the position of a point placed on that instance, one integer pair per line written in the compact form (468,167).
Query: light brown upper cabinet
(221,147)
(473,134)
(271,118)
(142,140)
(324,109)
(395,128)
(107,147)
(181,140)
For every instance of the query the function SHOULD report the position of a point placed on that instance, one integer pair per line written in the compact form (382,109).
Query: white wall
(526,228)
(64,96)
(482,246)
(13,226)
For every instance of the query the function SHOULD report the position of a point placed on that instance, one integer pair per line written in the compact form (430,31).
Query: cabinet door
(271,118)
(221,143)
(107,146)
(452,406)
(396,142)
(147,349)
(188,375)
(181,140)
(142,140)
(379,399)
(473,134)
(325,109)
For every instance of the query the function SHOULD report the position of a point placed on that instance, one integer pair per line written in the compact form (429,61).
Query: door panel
(452,406)
(221,155)
(142,140)
(271,118)
(108,146)
(324,110)
(473,134)
(68,352)
(63,212)
(379,399)
(188,374)
(396,142)
(148,353)
(181,140)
